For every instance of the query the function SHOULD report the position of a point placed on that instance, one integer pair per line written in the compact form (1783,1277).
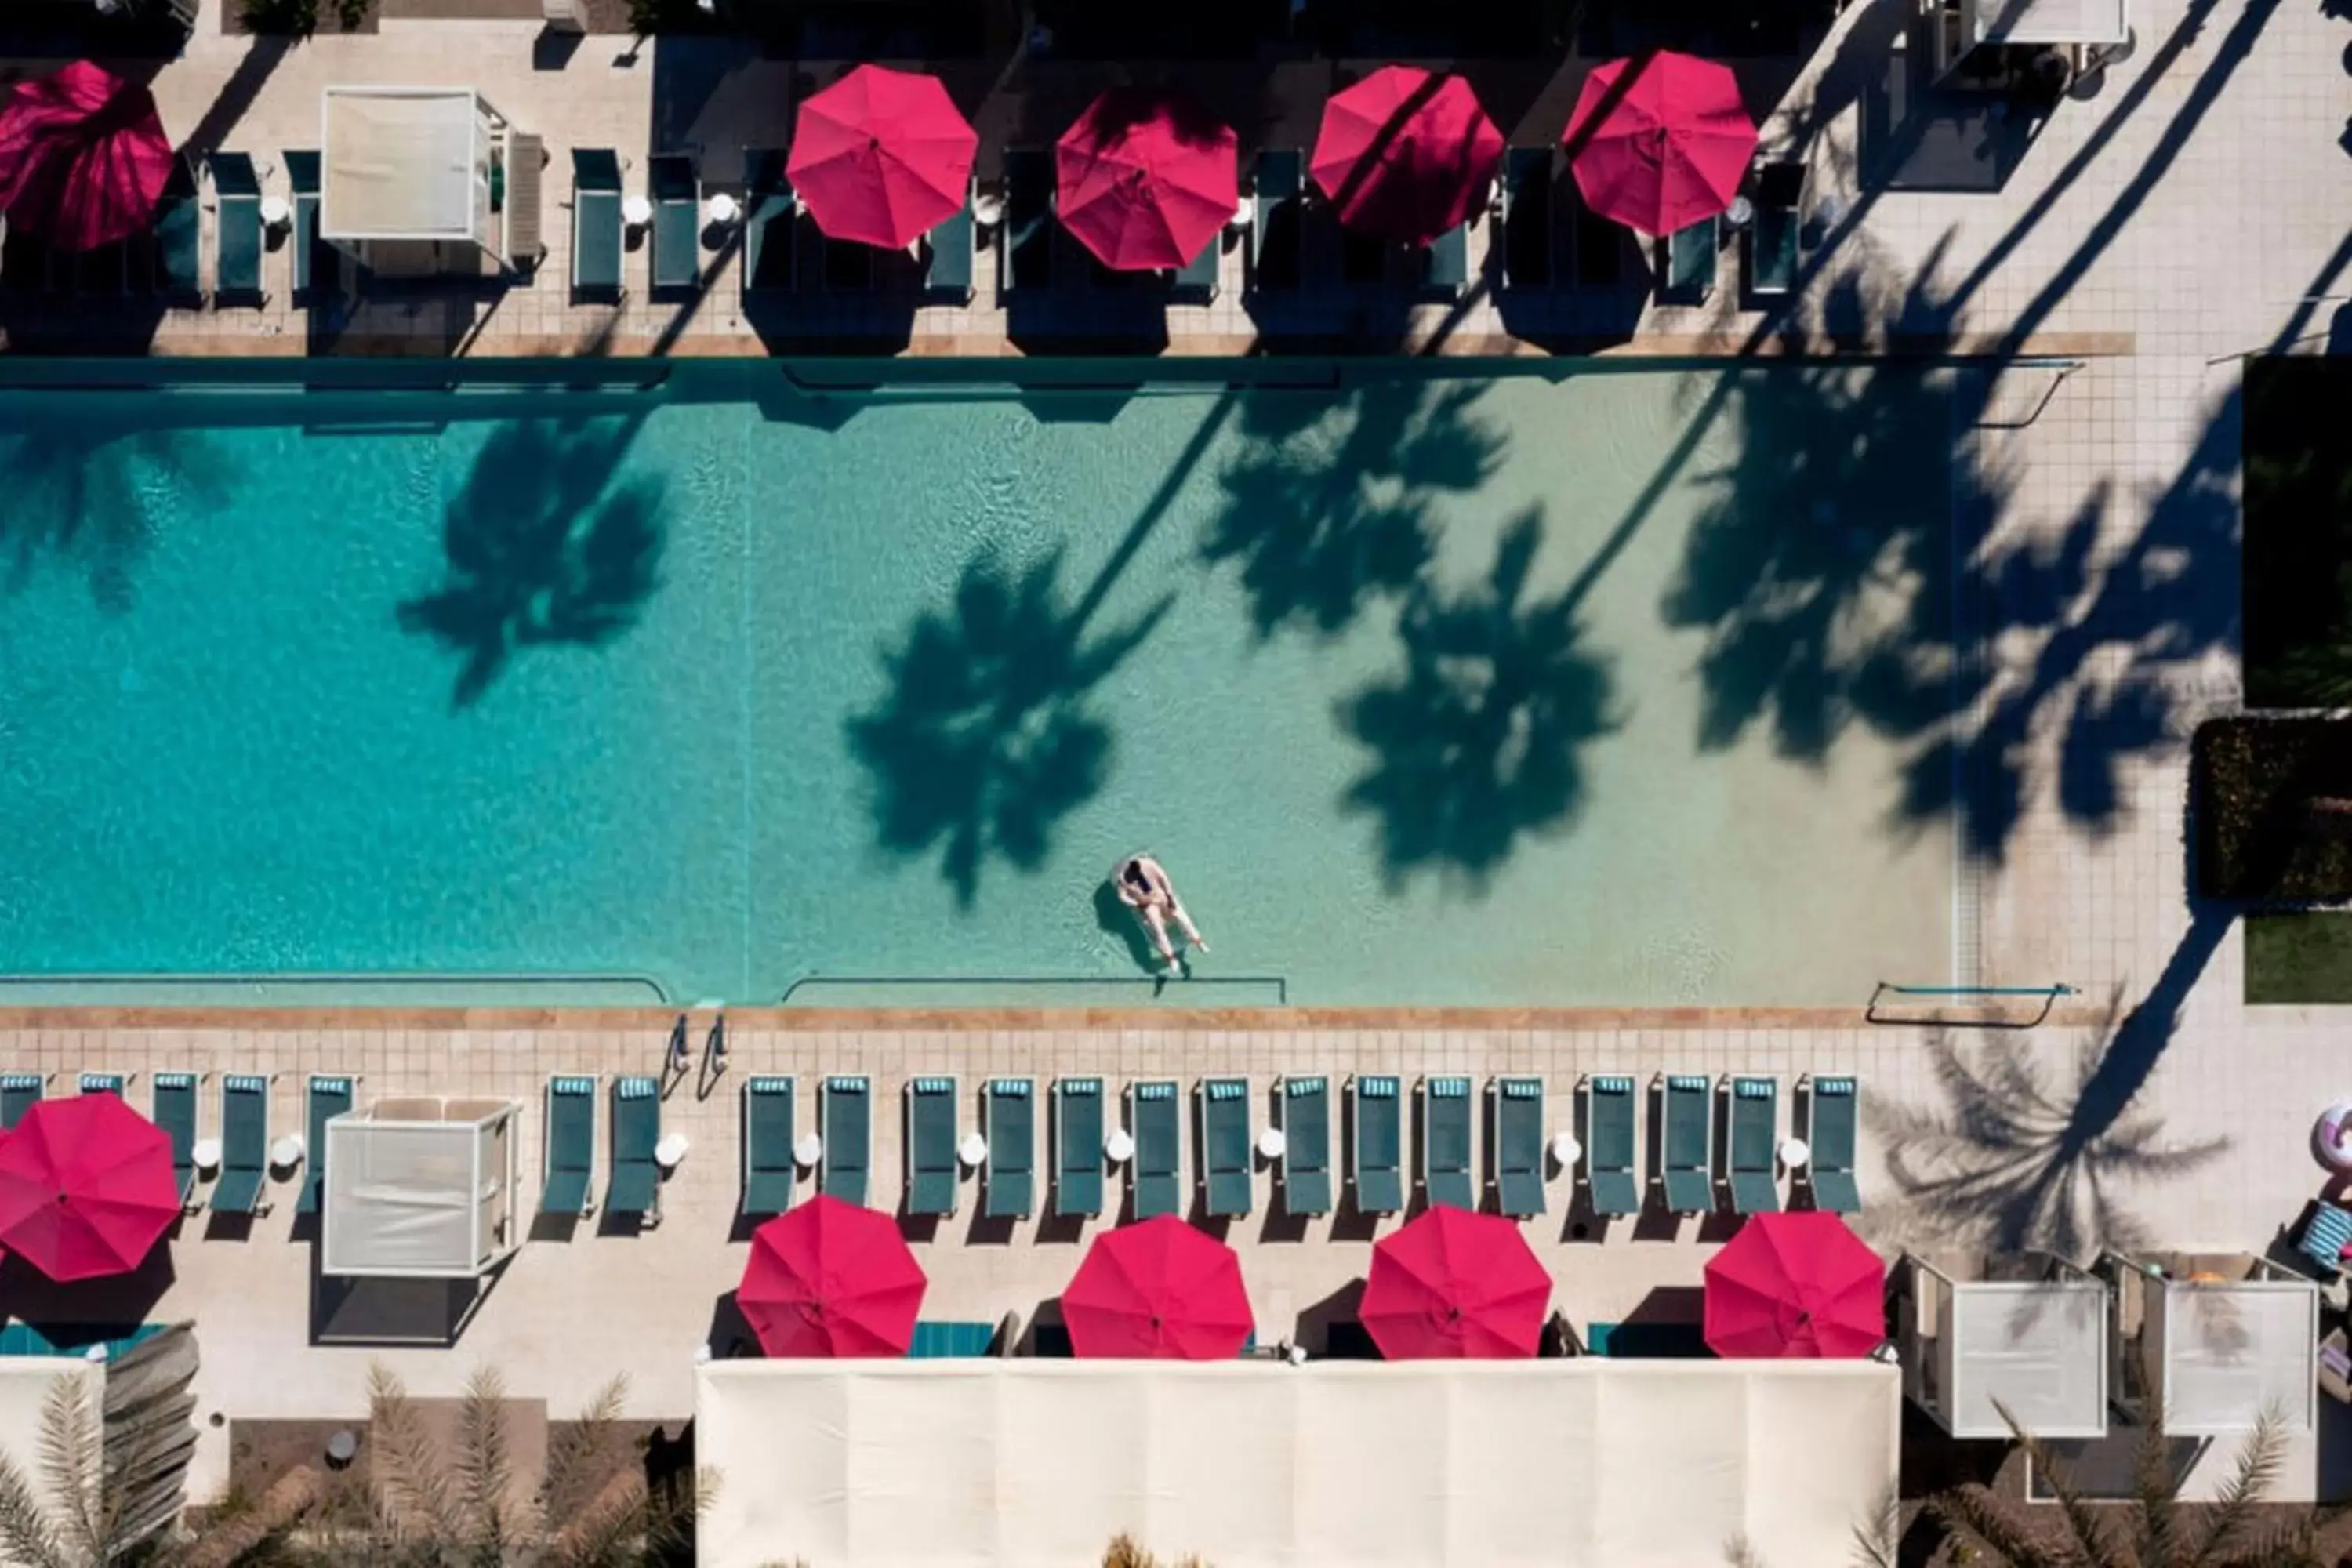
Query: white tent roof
(2233,1351)
(2052,21)
(1589,1461)
(25,1386)
(404,163)
(419,1187)
(2038,1349)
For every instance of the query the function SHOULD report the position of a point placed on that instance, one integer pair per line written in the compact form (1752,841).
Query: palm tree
(2155,1528)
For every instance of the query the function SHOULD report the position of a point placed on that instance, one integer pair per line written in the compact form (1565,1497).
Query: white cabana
(2069,26)
(420,1188)
(409,173)
(2027,1333)
(1587,1461)
(2211,1341)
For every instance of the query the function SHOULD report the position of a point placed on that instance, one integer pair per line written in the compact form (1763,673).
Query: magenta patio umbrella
(83,157)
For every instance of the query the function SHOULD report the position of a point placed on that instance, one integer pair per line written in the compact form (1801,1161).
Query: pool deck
(2191,213)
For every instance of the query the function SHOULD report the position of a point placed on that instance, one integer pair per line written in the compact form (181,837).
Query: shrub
(2274,817)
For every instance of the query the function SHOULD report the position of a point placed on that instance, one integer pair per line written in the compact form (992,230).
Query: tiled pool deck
(2193,211)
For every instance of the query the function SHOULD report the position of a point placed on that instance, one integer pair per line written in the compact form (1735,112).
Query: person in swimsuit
(1144,886)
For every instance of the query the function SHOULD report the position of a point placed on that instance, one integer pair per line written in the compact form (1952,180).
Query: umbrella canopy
(1405,154)
(1660,141)
(1799,1285)
(1145,181)
(83,157)
(86,1187)
(1158,1290)
(831,1279)
(881,157)
(1454,1285)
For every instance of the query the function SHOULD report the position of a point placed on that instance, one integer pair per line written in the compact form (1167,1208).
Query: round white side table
(287,1153)
(972,1150)
(637,211)
(809,1150)
(206,1153)
(1271,1144)
(275,213)
(1118,1148)
(671,1151)
(1567,1150)
(1796,1153)
(721,209)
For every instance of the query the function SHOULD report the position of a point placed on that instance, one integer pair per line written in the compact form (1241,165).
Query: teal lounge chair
(326,1096)
(1078,1147)
(1008,1122)
(317,266)
(950,1341)
(173,1108)
(1830,1107)
(1514,1140)
(595,223)
(1447,1113)
(237,228)
(19,1092)
(1028,260)
(1609,1139)
(1445,262)
(844,1114)
(1155,1116)
(770,207)
(179,231)
(768,1164)
(1687,1113)
(1376,1142)
(1689,274)
(568,1149)
(1196,281)
(112,1083)
(1224,1108)
(1277,193)
(930,1146)
(634,1187)
(1774,237)
(1306,1144)
(948,259)
(677,196)
(1754,1135)
(1526,217)
(245,1145)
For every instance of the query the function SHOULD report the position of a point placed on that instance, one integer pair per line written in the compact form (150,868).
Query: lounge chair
(1447,1113)
(595,223)
(1223,1105)
(1600,248)
(1077,1146)
(1376,1142)
(948,259)
(1773,237)
(171,1106)
(633,1187)
(677,196)
(1830,1107)
(1688,271)
(317,266)
(1028,262)
(845,1115)
(568,1149)
(1527,218)
(237,228)
(1688,1114)
(1196,281)
(770,207)
(326,1096)
(1008,1122)
(930,1146)
(1754,1136)
(19,1092)
(950,1341)
(1609,1139)
(2325,1237)
(1276,230)
(244,1144)
(1515,1143)
(112,1083)
(1305,1104)
(1445,262)
(767,1165)
(178,234)
(1155,1116)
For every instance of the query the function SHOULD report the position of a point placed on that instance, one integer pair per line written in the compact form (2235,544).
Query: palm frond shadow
(95,498)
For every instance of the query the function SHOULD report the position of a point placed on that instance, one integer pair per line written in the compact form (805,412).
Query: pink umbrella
(83,157)
(86,1187)
(830,1279)
(881,157)
(1454,1285)
(1403,154)
(1158,1290)
(1795,1284)
(1142,184)
(1660,142)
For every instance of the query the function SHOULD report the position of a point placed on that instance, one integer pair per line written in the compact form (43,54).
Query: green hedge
(2267,827)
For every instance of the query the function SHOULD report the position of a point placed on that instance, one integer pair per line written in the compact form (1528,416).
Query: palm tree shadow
(541,549)
(92,496)
(1475,746)
(986,738)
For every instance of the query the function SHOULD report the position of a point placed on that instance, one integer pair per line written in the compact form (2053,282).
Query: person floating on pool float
(1143,886)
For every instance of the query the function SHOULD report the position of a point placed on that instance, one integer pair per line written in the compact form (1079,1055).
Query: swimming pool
(1466,689)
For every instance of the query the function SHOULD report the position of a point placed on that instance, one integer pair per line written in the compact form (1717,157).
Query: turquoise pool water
(1470,689)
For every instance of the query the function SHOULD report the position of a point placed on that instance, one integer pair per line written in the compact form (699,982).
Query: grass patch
(2273,809)
(2298,538)
(2299,958)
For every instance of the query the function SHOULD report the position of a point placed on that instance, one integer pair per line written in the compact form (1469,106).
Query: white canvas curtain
(2039,1350)
(401,165)
(2232,1352)
(406,1197)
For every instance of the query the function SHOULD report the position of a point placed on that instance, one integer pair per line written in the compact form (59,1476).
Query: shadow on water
(542,548)
(987,738)
(94,499)
(1116,920)
(1476,744)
